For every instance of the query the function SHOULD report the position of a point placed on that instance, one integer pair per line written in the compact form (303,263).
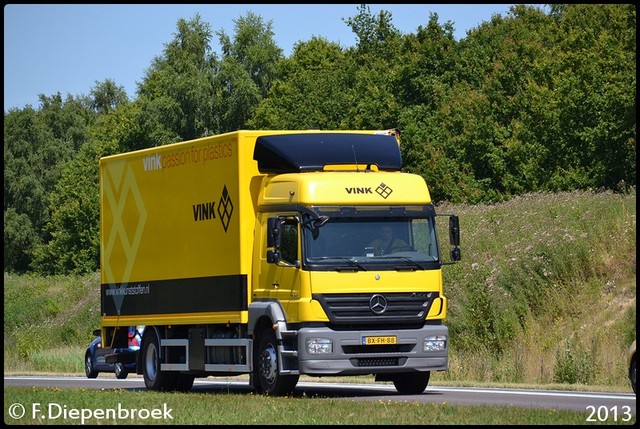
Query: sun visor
(295,153)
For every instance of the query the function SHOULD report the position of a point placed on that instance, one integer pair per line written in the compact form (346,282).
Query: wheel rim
(151,361)
(268,364)
(118,369)
(88,366)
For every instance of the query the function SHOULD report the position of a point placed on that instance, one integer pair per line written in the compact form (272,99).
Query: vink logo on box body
(207,211)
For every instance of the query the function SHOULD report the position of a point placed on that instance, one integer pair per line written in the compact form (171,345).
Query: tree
(374,62)
(246,71)
(74,224)
(176,94)
(311,91)
(550,102)
(20,239)
(504,67)
(376,36)
(427,67)
(107,96)
(238,95)
(594,85)
(37,145)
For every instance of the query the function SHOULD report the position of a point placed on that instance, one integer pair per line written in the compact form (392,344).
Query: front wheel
(411,383)
(269,379)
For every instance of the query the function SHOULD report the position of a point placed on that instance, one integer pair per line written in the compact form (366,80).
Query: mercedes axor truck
(253,252)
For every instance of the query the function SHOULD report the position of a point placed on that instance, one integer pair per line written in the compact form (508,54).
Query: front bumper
(351,357)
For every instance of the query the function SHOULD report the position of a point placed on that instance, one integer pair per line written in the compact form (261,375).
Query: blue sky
(65,48)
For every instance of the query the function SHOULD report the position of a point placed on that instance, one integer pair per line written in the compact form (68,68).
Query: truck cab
(348,305)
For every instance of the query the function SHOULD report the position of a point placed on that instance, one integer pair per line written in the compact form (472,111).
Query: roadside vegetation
(545,295)
(546,292)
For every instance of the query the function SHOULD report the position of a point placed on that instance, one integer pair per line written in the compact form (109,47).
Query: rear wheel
(411,383)
(154,377)
(269,379)
(121,371)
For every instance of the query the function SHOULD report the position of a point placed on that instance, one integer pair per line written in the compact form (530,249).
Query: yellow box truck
(273,254)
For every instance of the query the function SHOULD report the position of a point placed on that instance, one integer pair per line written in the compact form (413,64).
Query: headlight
(435,343)
(316,346)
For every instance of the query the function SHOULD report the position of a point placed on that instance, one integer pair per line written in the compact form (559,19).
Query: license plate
(372,341)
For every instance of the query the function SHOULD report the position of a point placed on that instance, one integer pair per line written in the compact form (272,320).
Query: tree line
(539,100)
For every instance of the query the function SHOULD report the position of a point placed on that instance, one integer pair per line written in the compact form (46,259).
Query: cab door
(279,276)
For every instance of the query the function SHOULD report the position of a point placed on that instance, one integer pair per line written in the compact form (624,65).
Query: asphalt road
(595,405)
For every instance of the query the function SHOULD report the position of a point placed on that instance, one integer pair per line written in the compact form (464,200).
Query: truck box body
(177,224)
(251,252)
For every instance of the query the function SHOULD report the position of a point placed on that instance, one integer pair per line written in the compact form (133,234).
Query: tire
(411,383)
(268,379)
(632,375)
(154,377)
(184,382)
(89,368)
(120,370)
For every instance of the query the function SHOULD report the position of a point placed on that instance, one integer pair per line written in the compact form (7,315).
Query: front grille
(355,309)
(387,361)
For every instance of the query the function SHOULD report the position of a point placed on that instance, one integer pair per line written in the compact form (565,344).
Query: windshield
(371,243)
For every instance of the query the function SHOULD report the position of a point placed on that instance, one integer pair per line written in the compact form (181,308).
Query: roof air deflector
(295,153)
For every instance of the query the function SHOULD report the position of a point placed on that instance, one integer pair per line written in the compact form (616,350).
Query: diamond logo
(384,191)
(120,191)
(225,208)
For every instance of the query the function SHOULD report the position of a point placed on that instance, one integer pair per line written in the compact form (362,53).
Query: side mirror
(273,257)
(273,239)
(455,254)
(273,232)
(454,238)
(454,230)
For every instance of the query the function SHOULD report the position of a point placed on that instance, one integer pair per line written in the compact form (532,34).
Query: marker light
(316,346)
(435,343)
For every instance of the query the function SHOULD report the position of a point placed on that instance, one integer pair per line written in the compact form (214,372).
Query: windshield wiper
(414,264)
(352,264)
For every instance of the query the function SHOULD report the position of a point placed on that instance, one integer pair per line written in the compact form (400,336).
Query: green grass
(250,409)
(545,296)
